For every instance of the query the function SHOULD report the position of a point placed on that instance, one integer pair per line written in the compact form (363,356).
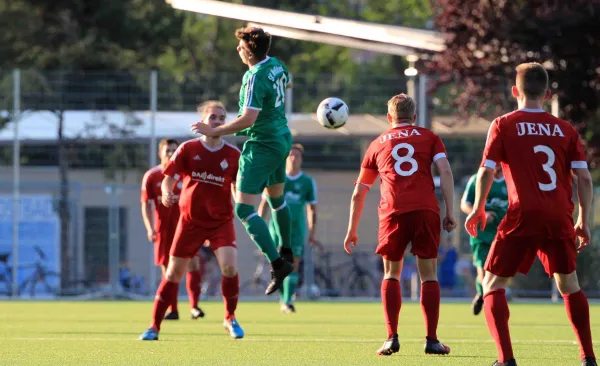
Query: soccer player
(537,152)
(301,197)
(495,209)
(165,223)
(408,212)
(261,117)
(207,166)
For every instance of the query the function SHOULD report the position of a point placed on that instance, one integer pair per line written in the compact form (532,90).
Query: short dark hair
(167,142)
(532,80)
(298,147)
(257,40)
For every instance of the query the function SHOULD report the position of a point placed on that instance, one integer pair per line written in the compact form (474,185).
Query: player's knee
(427,269)
(492,282)
(228,270)
(276,203)
(244,212)
(567,283)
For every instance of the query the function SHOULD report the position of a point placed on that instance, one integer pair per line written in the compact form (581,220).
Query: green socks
(479,287)
(283,220)
(257,229)
(287,291)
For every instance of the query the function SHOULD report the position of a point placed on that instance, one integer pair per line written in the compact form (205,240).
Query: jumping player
(408,212)
(537,152)
(495,209)
(301,197)
(165,223)
(262,118)
(207,167)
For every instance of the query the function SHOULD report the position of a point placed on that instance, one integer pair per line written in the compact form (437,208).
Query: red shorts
(162,247)
(421,228)
(511,254)
(189,237)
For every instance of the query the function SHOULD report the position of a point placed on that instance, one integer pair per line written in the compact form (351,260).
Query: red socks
(230,288)
(165,295)
(430,306)
(193,285)
(497,314)
(578,312)
(391,297)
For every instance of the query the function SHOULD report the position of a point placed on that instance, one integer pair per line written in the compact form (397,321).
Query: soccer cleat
(390,346)
(286,254)
(277,277)
(172,316)
(287,308)
(510,362)
(589,361)
(435,347)
(477,304)
(149,335)
(234,329)
(197,313)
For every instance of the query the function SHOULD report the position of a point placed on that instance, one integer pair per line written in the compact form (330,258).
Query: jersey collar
(213,149)
(260,63)
(498,180)
(294,177)
(532,110)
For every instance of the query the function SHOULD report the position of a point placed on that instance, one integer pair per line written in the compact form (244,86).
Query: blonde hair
(202,108)
(532,80)
(401,107)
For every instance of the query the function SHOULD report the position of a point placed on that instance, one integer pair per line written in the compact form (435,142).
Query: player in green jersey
(301,197)
(495,207)
(262,118)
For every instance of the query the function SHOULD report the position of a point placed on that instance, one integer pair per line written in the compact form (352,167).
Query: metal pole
(422,101)
(555,105)
(16,180)
(153,162)
(410,87)
(113,238)
(289,96)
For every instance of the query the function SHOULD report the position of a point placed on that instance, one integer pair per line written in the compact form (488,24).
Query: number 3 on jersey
(547,167)
(408,158)
(279,87)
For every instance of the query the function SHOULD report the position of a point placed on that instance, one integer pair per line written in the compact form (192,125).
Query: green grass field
(105,333)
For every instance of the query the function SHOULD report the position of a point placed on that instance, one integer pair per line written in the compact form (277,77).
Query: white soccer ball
(332,113)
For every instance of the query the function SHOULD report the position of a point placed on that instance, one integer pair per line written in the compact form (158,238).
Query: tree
(486,40)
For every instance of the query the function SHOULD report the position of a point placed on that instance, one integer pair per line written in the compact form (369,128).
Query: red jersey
(165,218)
(537,152)
(403,156)
(207,174)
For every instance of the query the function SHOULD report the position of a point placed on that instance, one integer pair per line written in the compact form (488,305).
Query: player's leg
(194,286)
(559,257)
(480,252)
(291,282)
(391,298)
(161,258)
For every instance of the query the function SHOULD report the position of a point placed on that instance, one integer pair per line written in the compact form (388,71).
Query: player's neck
(212,141)
(400,124)
(252,63)
(531,104)
(293,172)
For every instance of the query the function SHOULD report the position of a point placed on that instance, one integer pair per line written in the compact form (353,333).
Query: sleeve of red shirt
(439,150)
(576,153)
(493,153)
(368,168)
(176,165)
(147,191)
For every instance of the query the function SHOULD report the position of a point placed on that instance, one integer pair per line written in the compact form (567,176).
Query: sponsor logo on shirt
(210,178)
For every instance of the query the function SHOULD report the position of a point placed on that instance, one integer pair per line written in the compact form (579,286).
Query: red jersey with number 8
(537,152)
(403,156)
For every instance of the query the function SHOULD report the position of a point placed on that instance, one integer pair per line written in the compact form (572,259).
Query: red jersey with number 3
(207,174)
(403,156)
(537,152)
(165,218)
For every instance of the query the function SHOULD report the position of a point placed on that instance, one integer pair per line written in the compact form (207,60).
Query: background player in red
(408,212)
(538,152)
(165,223)
(208,167)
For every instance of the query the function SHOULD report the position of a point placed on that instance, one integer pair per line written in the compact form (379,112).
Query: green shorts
(298,240)
(262,164)
(480,251)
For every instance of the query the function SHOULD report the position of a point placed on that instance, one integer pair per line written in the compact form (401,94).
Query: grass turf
(105,333)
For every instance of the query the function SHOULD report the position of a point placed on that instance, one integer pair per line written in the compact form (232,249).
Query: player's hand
(583,233)
(350,241)
(168,199)
(489,217)
(203,129)
(151,236)
(316,244)
(473,220)
(449,223)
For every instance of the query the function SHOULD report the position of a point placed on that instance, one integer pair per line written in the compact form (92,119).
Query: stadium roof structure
(382,38)
(41,126)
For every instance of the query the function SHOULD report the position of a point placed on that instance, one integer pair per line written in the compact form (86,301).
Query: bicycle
(48,279)
(257,281)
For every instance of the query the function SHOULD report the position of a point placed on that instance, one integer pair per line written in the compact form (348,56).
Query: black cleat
(277,277)
(477,304)
(286,254)
(173,315)
(510,362)
(197,313)
(390,346)
(435,347)
(589,361)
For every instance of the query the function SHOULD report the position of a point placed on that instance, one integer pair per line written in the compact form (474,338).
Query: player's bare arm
(447,186)
(246,120)
(311,211)
(584,194)
(485,176)
(167,186)
(147,217)
(365,180)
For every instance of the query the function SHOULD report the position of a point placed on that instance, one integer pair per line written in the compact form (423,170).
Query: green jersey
(497,202)
(263,89)
(299,191)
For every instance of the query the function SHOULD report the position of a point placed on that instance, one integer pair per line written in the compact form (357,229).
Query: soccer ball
(332,113)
